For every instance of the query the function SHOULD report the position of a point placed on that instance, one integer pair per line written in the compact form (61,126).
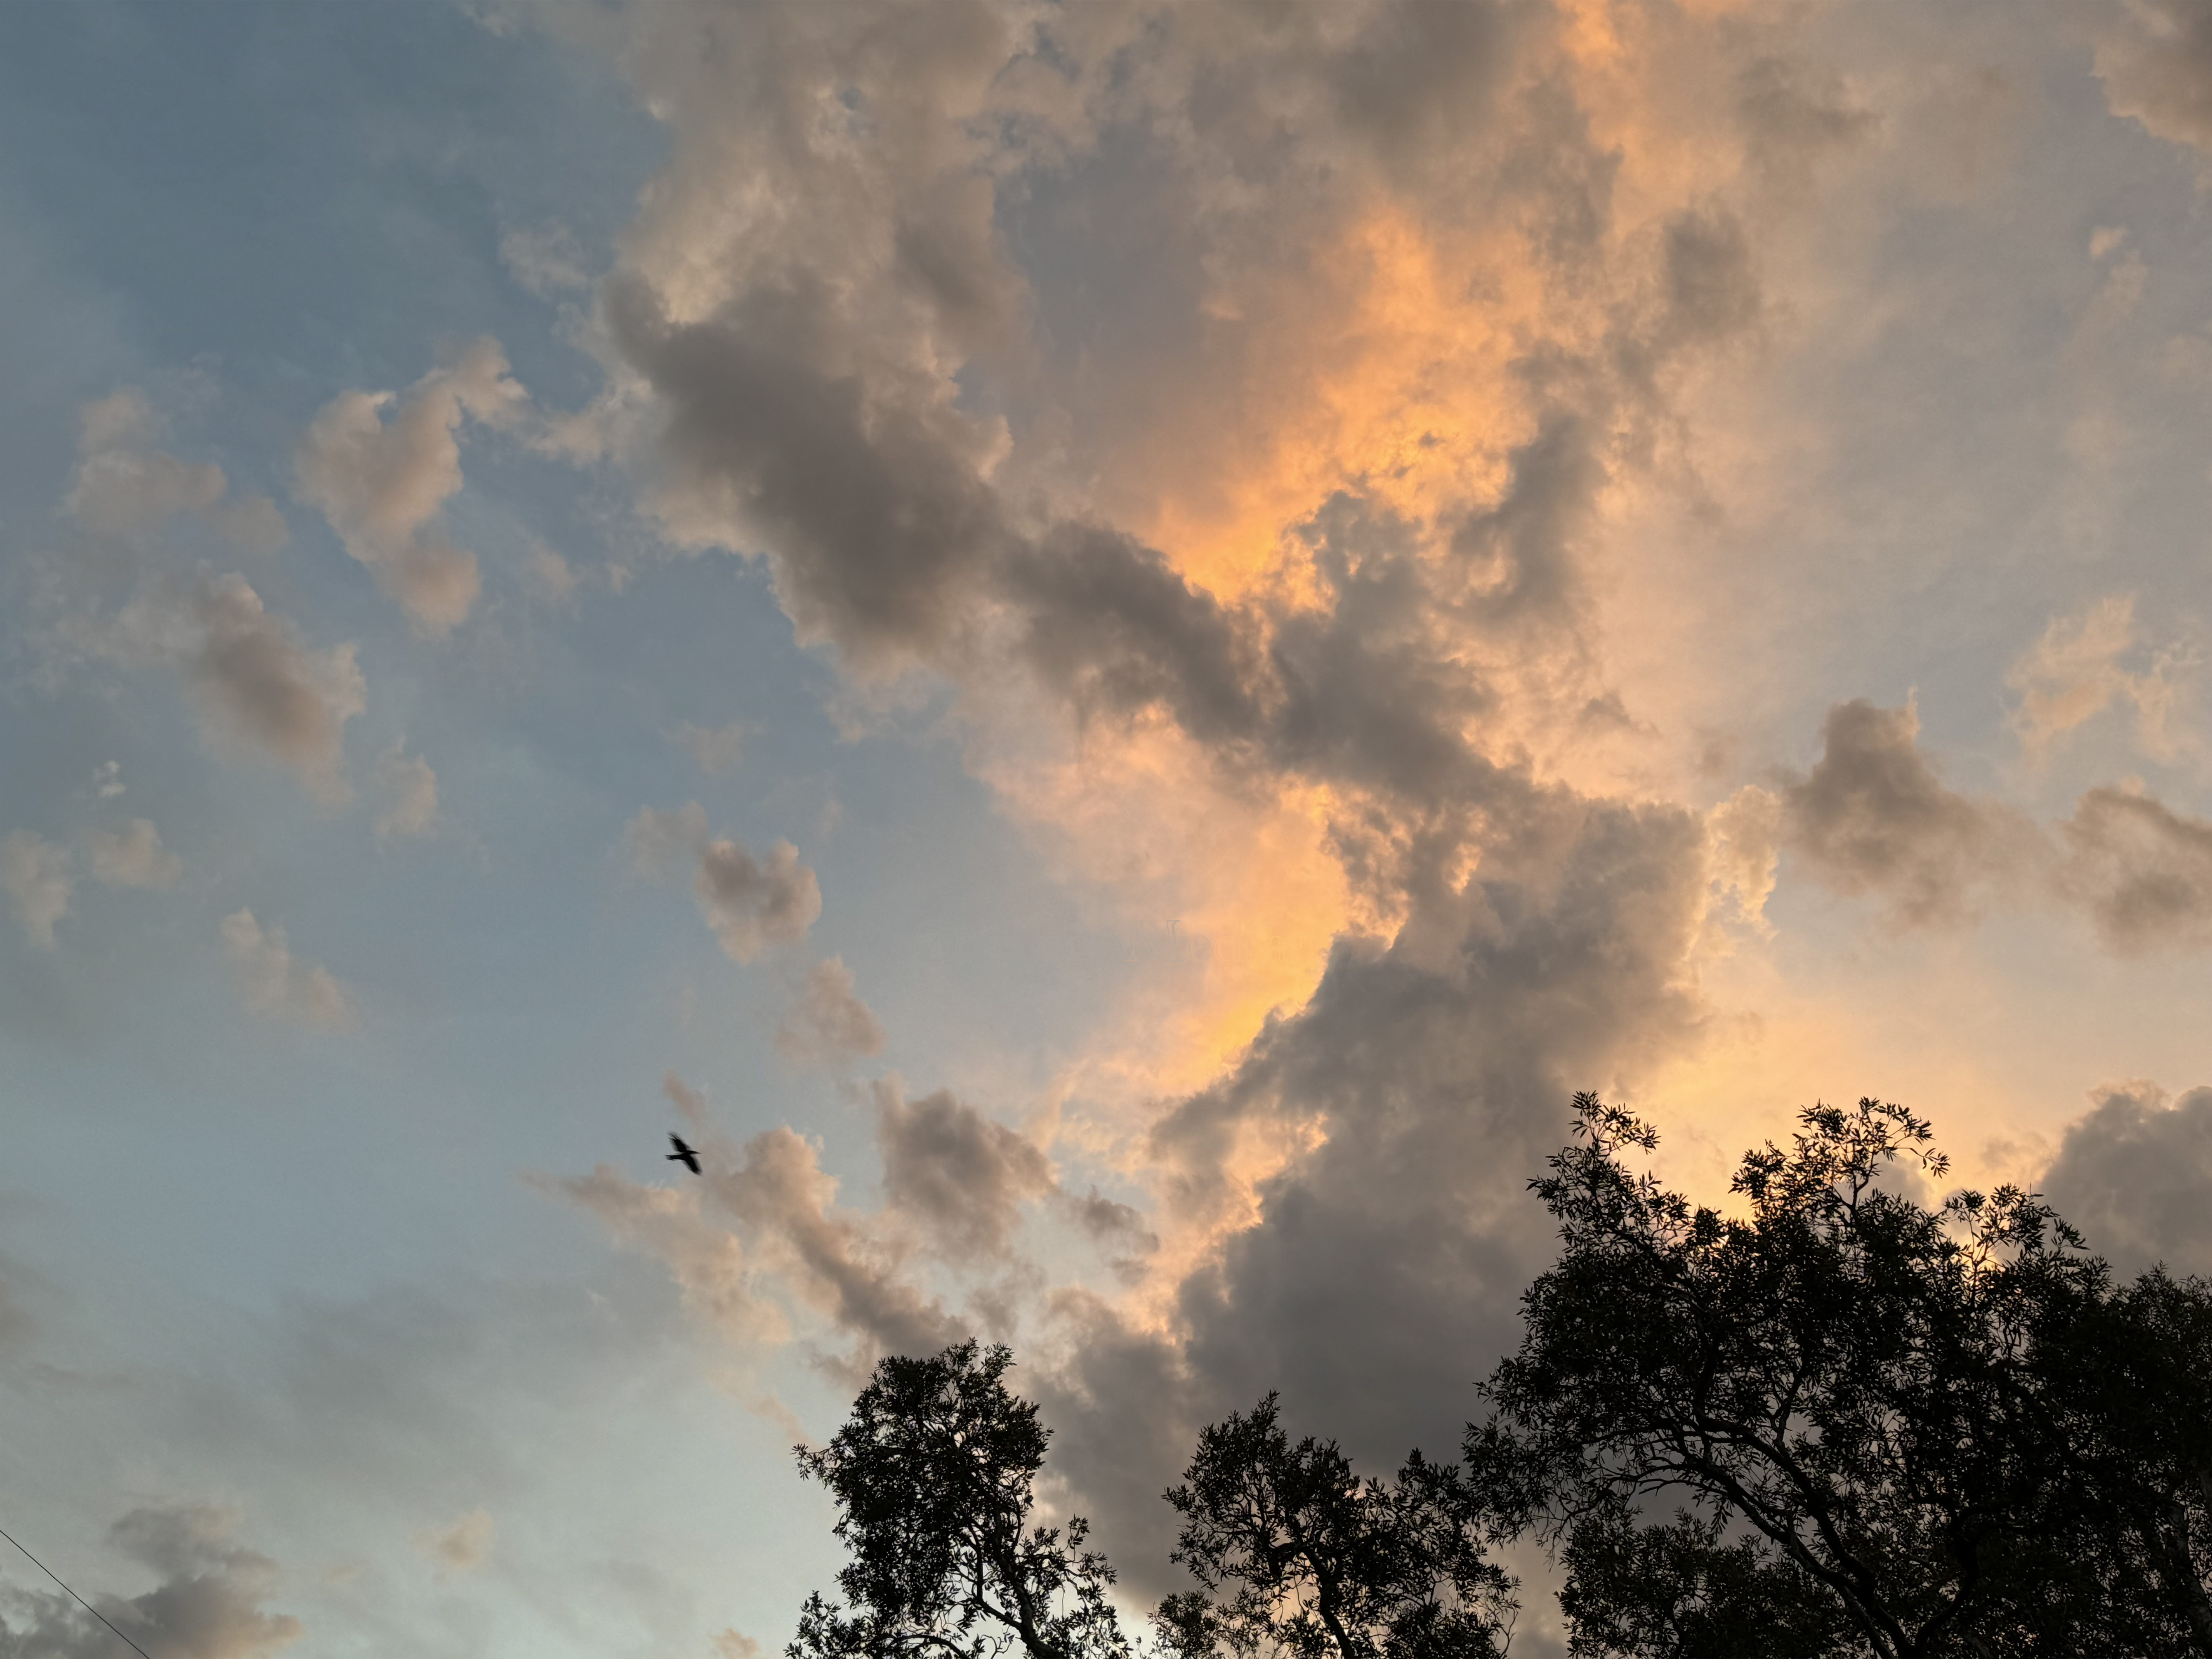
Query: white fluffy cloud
(2092,661)
(827,1022)
(133,857)
(271,981)
(381,482)
(36,875)
(257,687)
(125,486)
(2155,57)
(754,905)
(462,1545)
(716,749)
(40,876)
(408,792)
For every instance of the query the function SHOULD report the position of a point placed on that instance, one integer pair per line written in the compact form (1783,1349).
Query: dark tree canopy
(1836,1422)
(934,1475)
(1298,1557)
(1888,1430)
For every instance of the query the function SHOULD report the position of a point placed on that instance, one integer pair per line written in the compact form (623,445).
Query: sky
(1107,647)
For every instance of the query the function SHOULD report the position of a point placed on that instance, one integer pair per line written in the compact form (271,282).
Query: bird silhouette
(683,1154)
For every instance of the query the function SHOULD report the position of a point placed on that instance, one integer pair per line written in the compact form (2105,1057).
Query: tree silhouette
(934,1476)
(1297,1556)
(1836,1423)
(1890,1430)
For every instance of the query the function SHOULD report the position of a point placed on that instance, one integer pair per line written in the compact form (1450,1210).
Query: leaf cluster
(1296,1556)
(1888,1429)
(934,1474)
(1831,1422)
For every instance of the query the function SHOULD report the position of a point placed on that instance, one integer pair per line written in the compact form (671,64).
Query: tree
(934,1474)
(2130,1384)
(1886,1429)
(1684,1589)
(1299,1557)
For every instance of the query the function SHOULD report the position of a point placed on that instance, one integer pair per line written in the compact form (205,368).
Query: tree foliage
(1914,1421)
(1832,1421)
(934,1475)
(1298,1557)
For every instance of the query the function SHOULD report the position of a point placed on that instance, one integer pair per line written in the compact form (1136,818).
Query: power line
(80,1600)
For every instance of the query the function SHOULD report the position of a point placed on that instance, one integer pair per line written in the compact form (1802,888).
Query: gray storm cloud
(1874,816)
(2141,871)
(1382,1274)
(2135,1175)
(2155,58)
(962,1177)
(207,1605)
(874,368)
(800,350)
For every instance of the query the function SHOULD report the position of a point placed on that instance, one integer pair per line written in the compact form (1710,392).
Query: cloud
(548,259)
(2156,59)
(733,1644)
(271,982)
(36,875)
(410,791)
(828,1023)
(1873,815)
(554,576)
(255,685)
(753,905)
(2076,671)
(2135,1175)
(463,1544)
(1287,507)
(961,1177)
(207,1605)
(123,486)
(1746,834)
(685,1099)
(133,857)
(2142,871)
(381,483)
(716,749)
(660,841)
(759,1239)
(40,876)
(1360,1180)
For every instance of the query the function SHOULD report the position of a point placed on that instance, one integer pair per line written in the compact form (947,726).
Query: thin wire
(80,1600)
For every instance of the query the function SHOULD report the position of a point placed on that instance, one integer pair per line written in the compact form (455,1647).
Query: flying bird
(683,1154)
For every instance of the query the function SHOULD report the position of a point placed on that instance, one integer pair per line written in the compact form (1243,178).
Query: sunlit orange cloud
(1384,364)
(1388,361)
(1965,1027)
(1239,889)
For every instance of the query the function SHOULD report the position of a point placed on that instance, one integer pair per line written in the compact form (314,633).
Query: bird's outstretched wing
(683,1154)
